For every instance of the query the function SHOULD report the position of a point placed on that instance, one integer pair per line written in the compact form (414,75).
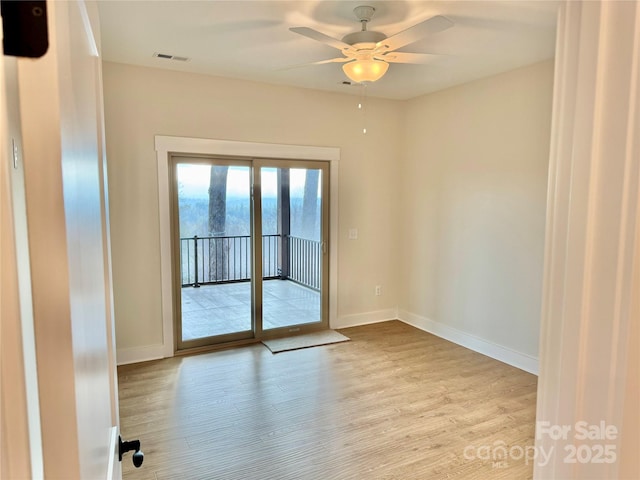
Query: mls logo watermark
(499,454)
(583,443)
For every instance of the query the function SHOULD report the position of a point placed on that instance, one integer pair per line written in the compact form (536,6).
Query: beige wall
(448,192)
(473,202)
(143,102)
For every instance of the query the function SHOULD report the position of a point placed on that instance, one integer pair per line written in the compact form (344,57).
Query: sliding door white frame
(167,145)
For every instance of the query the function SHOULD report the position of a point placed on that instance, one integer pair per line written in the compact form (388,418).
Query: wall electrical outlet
(353,234)
(378,290)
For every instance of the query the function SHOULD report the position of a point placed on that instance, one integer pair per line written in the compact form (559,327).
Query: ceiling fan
(367,54)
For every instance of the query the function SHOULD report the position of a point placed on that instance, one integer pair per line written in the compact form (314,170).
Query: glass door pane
(250,248)
(213,212)
(292,248)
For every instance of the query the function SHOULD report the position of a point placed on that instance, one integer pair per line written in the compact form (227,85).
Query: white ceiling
(251,39)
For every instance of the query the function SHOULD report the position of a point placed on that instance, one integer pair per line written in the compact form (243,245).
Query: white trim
(525,362)
(366,318)
(165,253)
(114,472)
(126,356)
(17,305)
(207,146)
(166,145)
(86,23)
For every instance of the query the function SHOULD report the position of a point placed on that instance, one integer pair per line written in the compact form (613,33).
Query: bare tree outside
(310,203)
(218,248)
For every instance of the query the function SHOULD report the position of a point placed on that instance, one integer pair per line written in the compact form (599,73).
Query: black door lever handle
(124,447)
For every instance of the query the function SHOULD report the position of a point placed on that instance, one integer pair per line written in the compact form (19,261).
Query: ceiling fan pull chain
(363,107)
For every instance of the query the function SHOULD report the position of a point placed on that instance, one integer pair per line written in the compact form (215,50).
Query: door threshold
(213,348)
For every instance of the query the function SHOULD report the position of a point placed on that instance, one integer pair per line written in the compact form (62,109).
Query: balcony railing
(212,260)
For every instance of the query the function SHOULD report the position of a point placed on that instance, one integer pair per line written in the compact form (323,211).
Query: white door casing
(20,437)
(167,145)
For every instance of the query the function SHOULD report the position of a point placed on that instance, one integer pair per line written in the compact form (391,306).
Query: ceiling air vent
(171,57)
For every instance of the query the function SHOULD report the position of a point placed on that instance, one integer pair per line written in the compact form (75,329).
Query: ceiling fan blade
(417,32)
(320,37)
(403,57)
(332,60)
(321,62)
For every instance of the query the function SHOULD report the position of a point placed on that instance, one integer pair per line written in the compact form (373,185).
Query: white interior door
(68,251)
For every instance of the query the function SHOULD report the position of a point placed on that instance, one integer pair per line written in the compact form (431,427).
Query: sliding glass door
(250,251)
(294,226)
(212,232)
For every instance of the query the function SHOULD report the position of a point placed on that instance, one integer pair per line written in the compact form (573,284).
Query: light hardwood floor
(393,403)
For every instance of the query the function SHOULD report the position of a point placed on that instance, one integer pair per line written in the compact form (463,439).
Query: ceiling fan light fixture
(367,70)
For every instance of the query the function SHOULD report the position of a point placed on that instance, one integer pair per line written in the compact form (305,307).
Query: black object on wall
(24,23)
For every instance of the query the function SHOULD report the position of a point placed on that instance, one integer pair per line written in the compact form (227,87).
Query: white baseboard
(519,360)
(145,353)
(367,318)
(511,357)
(125,356)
